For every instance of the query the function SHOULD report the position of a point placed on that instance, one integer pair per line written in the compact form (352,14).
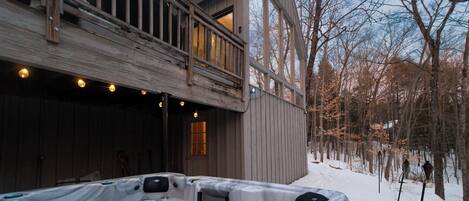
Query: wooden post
(53,20)
(165,133)
(190,61)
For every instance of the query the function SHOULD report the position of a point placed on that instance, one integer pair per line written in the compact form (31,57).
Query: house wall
(224,138)
(73,139)
(274,140)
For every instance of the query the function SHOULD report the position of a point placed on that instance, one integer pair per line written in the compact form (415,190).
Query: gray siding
(274,140)
(224,142)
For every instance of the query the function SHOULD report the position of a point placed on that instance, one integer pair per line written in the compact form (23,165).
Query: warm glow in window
(227,21)
(199,138)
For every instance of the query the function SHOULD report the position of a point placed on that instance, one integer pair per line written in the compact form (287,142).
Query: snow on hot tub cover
(179,188)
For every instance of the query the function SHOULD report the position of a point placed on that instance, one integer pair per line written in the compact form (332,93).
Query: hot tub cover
(181,188)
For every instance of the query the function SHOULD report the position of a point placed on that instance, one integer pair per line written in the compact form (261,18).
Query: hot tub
(176,187)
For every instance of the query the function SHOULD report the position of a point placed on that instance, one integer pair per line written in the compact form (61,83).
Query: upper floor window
(226,19)
(256,31)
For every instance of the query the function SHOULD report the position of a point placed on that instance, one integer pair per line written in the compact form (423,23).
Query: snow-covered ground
(364,187)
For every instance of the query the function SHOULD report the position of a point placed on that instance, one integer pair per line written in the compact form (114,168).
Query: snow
(364,187)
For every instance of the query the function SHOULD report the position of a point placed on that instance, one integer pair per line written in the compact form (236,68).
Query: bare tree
(433,40)
(464,140)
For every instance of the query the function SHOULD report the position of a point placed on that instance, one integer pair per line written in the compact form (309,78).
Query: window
(199,138)
(274,38)
(226,20)
(256,31)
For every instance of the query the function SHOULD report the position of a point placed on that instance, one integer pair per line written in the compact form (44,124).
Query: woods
(391,78)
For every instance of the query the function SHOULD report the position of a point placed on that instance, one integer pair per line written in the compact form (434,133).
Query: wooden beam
(53,20)
(164,114)
(98,4)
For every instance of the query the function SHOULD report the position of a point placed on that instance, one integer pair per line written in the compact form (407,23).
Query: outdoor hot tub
(176,187)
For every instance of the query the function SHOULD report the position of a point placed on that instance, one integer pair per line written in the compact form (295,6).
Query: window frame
(200,143)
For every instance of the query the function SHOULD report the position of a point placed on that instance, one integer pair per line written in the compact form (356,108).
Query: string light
(23,73)
(143,92)
(81,83)
(182,103)
(160,104)
(112,88)
(196,114)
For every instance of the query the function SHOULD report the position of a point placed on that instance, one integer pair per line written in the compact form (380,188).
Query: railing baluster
(170,24)
(205,42)
(191,44)
(178,35)
(127,11)
(151,17)
(214,50)
(113,7)
(228,57)
(161,19)
(140,20)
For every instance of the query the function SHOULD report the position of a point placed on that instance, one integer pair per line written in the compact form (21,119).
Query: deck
(154,45)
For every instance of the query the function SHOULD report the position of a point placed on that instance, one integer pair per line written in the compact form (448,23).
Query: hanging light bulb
(112,88)
(160,104)
(143,92)
(182,103)
(81,83)
(23,73)
(196,114)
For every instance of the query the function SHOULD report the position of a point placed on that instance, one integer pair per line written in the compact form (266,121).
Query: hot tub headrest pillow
(155,184)
(311,197)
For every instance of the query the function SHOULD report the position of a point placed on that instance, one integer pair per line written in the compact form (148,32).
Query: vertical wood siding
(224,143)
(74,140)
(274,140)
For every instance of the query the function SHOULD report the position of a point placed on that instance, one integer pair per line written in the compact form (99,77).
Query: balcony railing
(180,25)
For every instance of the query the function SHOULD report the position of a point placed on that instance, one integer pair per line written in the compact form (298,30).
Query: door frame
(188,144)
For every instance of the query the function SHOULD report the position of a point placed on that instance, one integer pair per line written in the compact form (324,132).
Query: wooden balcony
(169,46)
(178,24)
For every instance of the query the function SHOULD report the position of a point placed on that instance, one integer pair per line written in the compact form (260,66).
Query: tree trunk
(310,75)
(387,169)
(464,131)
(436,123)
